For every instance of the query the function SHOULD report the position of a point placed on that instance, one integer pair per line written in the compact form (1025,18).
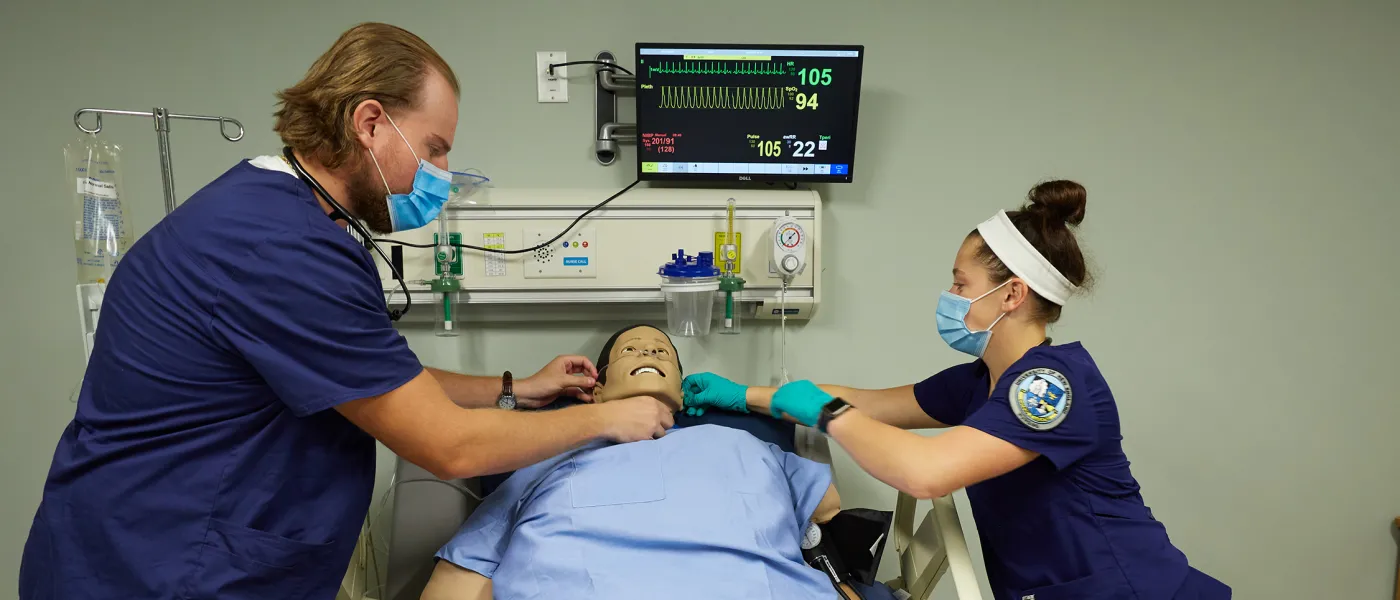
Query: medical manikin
(705,511)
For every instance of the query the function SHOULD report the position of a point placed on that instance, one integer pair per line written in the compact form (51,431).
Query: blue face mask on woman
(952,323)
(431,187)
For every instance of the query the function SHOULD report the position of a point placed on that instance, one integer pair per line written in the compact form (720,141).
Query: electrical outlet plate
(572,257)
(555,88)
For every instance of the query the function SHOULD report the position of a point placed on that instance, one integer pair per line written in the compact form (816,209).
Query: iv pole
(90,294)
(162,119)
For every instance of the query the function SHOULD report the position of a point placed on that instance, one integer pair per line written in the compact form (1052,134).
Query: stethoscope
(340,214)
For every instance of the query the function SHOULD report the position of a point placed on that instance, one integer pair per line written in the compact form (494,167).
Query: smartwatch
(830,411)
(506,400)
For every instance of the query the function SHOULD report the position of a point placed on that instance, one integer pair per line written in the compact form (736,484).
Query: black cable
(340,212)
(591,62)
(523,250)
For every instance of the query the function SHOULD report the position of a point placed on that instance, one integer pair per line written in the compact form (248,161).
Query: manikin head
(340,113)
(639,361)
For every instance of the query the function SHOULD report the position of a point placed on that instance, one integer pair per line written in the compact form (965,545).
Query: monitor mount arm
(608,131)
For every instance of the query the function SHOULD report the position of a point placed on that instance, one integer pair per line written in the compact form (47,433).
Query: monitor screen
(720,112)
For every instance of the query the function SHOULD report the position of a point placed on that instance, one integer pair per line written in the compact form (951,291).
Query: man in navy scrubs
(223,445)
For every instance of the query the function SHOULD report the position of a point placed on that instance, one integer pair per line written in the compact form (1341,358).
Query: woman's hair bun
(1058,201)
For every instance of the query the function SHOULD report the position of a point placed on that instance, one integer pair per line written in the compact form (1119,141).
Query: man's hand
(572,376)
(634,419)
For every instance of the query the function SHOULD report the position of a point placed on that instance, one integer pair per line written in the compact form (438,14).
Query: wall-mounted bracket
(608,131)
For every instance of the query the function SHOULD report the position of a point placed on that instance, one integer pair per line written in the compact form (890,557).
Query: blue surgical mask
(431,187)
(952,323)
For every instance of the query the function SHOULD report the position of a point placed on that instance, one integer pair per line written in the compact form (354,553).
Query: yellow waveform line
(728,98)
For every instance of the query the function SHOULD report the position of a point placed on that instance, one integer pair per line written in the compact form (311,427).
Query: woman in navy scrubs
(1033,430)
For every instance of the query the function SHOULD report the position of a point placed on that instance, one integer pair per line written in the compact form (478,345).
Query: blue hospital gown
(705,512)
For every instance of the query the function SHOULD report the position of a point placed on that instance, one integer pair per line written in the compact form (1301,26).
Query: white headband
(1024,260)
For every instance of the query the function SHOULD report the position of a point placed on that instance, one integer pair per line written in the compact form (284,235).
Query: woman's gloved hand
(707,390)
(802,400)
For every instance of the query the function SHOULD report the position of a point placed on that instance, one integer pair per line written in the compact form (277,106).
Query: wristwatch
(506,400)
(830,411)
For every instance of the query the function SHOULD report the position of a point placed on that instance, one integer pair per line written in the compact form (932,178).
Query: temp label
(790,311)
(575,261)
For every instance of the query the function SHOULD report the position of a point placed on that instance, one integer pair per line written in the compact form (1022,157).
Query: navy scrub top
(205,459)
(1070,524)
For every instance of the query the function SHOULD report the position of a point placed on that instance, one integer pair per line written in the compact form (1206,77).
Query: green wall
(1241,160)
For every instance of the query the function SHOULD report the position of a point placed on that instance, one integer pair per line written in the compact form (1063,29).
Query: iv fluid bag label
(100,189)
(102,219)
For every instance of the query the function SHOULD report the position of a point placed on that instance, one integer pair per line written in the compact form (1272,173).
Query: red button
(585,244)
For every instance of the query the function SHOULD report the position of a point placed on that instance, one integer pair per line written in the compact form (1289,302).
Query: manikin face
(642,363)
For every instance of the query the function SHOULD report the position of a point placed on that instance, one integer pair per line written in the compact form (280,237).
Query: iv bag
(100,233)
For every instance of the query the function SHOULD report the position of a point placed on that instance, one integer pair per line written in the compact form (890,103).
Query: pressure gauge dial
(812,536)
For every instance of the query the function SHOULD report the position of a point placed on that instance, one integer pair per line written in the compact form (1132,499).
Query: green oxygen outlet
(455,266)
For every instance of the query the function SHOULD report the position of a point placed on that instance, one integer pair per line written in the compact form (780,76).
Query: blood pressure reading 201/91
(756,113)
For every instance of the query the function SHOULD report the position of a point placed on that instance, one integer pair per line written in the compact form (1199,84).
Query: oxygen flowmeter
(447,286)
(729,281)
(447,253)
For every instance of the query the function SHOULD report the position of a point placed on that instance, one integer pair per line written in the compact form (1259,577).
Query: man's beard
(367,198)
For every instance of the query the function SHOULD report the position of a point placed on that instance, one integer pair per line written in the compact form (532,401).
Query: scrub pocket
(239,562)
(621,474)
(1104,585)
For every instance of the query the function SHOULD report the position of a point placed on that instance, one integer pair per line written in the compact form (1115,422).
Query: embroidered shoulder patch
(1041,398)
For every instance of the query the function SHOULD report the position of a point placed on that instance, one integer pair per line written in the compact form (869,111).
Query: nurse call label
(1041,398)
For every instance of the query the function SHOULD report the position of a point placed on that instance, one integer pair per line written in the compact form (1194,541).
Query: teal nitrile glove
(802,400)
(703,390)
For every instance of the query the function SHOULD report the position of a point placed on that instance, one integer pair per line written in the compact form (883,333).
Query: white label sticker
(93,187)
(495,263)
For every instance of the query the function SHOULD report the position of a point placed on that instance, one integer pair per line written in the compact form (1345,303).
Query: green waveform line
(695,67)
(728,98)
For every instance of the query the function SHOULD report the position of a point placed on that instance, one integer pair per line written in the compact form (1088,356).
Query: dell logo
(745,178)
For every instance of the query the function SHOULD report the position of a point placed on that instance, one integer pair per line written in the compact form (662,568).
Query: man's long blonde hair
(371,61)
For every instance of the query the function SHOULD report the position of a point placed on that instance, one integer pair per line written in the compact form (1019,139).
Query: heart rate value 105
(815,76)
(800,148)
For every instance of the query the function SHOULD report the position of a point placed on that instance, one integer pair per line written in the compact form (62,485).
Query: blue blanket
(704,512)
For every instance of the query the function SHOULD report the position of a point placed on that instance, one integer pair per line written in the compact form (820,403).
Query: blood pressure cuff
(774,431)
(858,536)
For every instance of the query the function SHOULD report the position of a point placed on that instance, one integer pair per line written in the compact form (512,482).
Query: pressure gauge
(789,247)
(812,537)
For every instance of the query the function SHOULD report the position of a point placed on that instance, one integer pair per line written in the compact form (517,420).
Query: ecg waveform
(730,98)
(691,67)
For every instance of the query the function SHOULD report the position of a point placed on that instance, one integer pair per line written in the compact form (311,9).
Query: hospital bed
(425,516)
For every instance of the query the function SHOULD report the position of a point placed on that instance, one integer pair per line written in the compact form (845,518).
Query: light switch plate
(555,88)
